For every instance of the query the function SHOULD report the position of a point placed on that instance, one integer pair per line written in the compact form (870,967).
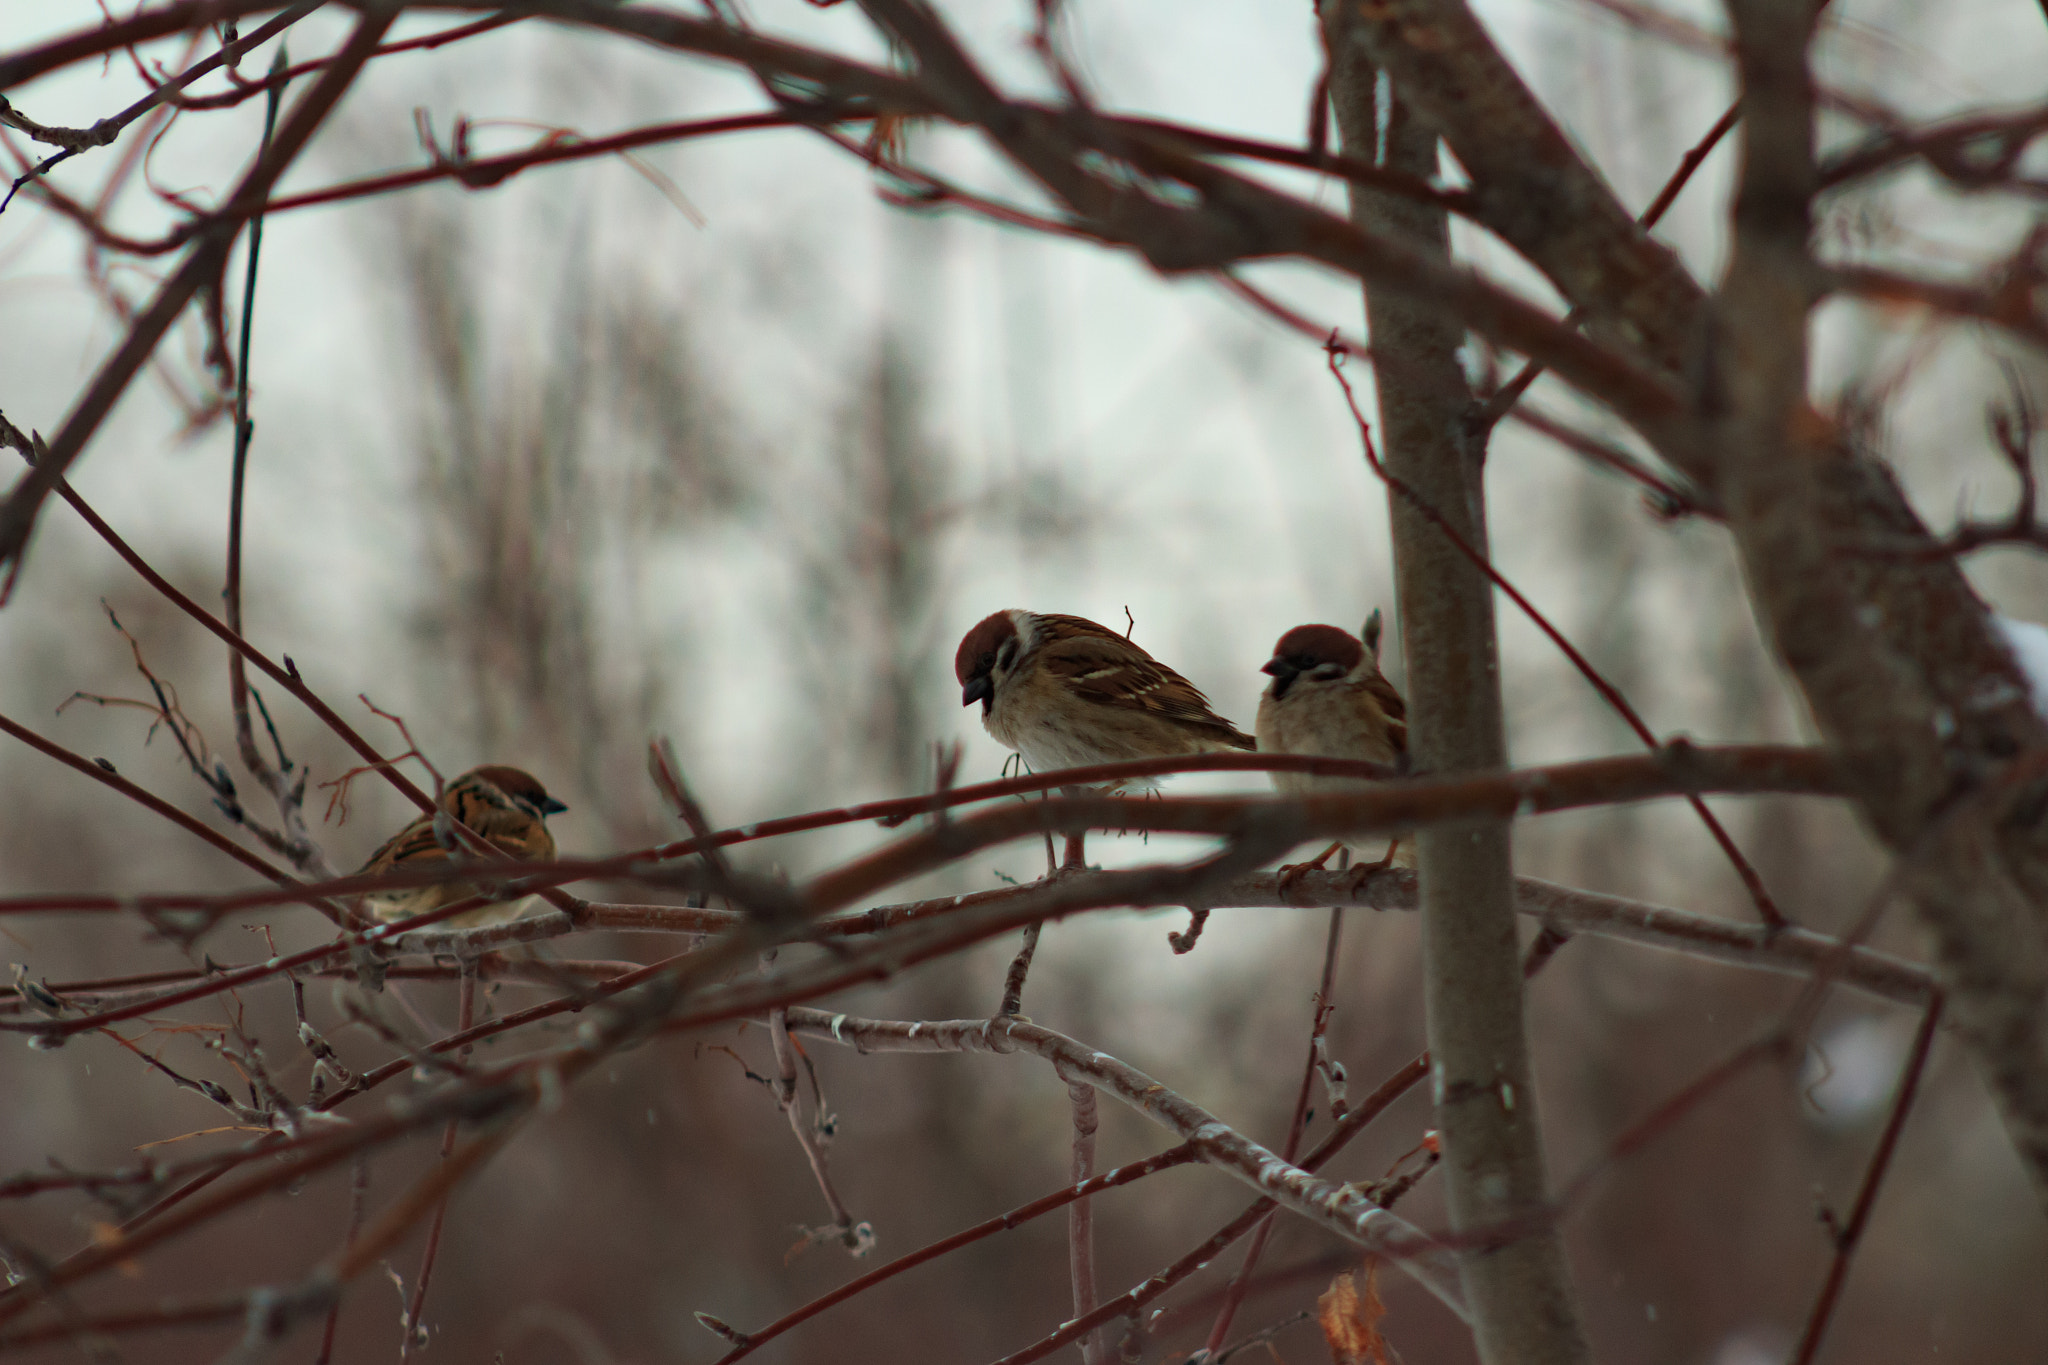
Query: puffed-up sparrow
(507,806)
(1067,693)
(1329,698)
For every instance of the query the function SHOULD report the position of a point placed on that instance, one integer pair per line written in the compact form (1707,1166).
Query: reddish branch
(1072,1060)
(1766,908)
(1323,1002)
(1259,828)
(1974,152)
(1565,910)
(201,268)
(76,140)
(1127,1304)
(1333,1205)
(245,88)
(1003,1222)
(1850,1234)
(103,773)
(1678,768)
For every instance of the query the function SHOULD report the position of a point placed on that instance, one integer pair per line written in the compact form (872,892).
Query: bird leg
(1290,873)
(1072,860)
(1365,872)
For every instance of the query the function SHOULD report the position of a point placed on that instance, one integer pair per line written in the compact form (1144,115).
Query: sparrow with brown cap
(507,806)
(1329,698)
(1065,692)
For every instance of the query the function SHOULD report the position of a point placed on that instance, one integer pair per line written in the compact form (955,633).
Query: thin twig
(858,1238)
(73,141)
(1766,908)
(201,267)
(1130,1301)
(295,842)
(1181,1155)
(358,1190)
(1020,965)
(414,1336)
(1851,1233)
(1504,399)
(1298,1125)
(1333,1205)
(1081,1220)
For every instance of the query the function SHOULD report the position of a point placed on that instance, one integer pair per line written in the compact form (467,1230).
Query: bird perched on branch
(507,806)
(1066,693)
(1329,698)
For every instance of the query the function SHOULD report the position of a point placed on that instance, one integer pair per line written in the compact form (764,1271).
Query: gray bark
(1519,1289)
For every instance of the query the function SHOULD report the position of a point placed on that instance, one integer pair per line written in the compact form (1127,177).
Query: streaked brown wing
(1111,671)
(413,845)
(1391,706)
(483,808)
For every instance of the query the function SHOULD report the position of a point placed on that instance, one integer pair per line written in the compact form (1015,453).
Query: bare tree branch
(1331,1204)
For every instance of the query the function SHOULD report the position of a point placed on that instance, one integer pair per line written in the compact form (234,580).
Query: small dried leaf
(1350,1319)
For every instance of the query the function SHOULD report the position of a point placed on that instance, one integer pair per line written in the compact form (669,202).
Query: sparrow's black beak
(550,806)
(1284,674)
(979,688)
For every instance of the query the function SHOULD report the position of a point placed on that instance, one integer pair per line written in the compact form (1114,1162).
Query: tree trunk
(1520,1292)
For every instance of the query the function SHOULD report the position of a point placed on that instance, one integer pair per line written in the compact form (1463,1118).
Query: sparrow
(1067,693)
(507,806)
(1329,698)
